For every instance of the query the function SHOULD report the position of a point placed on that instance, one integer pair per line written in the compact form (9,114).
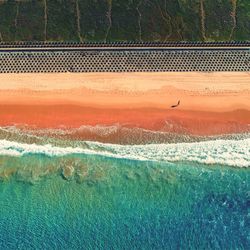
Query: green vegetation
(124,20)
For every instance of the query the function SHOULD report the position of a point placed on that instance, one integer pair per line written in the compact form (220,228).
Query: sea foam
(226,152)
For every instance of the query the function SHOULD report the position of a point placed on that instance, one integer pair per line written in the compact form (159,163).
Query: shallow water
(100,202)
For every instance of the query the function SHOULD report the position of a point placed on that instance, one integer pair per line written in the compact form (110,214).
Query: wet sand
(178,121)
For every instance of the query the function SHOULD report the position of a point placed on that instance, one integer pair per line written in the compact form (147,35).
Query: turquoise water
(97,202)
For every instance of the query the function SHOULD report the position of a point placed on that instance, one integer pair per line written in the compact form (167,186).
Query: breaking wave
(226,152)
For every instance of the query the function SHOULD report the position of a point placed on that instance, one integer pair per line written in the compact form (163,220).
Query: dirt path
(139,20)
(109,16)
(78,15)
(203,19)
(233,15)
(45,19)
(167,18)
(16,18)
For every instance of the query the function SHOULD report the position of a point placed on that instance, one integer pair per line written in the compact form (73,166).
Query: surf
(234,153)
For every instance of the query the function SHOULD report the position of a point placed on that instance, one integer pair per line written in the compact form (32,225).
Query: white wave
(225,152)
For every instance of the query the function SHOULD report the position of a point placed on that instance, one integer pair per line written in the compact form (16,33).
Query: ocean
(92,195)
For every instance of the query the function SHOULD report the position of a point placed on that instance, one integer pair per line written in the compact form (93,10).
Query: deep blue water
(122,204)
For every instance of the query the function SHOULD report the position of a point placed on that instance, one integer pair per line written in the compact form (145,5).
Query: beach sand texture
(210,103)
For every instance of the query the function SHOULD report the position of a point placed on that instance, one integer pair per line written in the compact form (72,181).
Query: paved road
(27,47)
(118,49)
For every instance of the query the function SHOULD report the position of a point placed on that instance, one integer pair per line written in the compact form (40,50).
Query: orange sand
(66,116)
(211,103)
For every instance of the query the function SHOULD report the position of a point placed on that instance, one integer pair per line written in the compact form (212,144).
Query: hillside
(124,20)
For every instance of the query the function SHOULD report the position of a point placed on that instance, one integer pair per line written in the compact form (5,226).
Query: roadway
(99,49)
(57,46)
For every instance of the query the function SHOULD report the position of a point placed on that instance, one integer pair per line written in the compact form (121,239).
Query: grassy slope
(125,20)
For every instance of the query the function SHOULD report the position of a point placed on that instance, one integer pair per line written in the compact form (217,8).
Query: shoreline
(177,121)
(107,134)
(210,103)
(225,152)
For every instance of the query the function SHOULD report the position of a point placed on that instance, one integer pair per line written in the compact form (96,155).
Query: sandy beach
(210,103)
